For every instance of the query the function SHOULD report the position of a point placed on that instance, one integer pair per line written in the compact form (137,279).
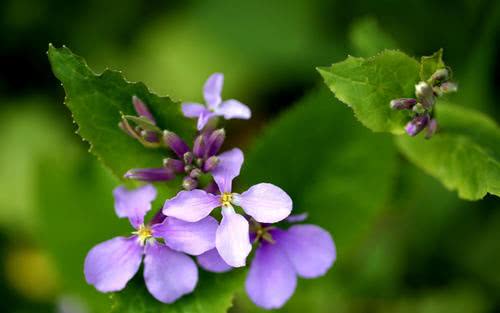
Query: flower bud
(215,141)
(403,103)
(210,163)
(173,165)
(418,108)
(195,173)
(150,174)
(448,87)
(199,146)
(149,136)
(440,75)
(416,125)
(188,158)
(425,94)
(142,110)
(431,128)
(175,143)
(189,183)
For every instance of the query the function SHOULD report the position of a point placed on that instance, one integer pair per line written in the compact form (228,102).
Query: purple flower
(169,274)
(192,162)
(215,106)
(264,202)
(307,251)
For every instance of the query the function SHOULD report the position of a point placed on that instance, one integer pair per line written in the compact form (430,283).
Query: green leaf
(331,166)
(464,155)
(214,294)
(368,85)
(96,102)
(429,64)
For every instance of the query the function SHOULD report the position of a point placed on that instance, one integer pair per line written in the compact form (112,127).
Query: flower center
(226,199)
(144,233)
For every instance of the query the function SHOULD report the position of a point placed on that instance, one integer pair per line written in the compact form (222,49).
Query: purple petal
(212,261)
(134,203)
(271,280)
(233,109)
(213,89)
(297,218)
(228,168)
(191,206)
(150,174)
(309,247)
(111,264)
(168,274)
(174,142)
(266,203)
(192,109)
(232,240)
(192,238)
(215,141)
(203,119)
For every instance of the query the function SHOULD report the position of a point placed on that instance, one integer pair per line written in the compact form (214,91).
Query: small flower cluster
(184,226)
(422,106)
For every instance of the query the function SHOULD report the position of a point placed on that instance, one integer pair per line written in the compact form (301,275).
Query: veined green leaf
(368,85)
(97,102)
(464,155)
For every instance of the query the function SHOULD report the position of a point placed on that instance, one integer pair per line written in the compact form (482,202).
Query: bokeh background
(412,246)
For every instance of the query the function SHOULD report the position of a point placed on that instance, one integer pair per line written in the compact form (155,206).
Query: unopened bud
(189,183)
(416,125)
(173,164)
(210,163)
(150,174)
(149,136)
(175,143)
(418,108)
(403,103)
(425,94)
(142,110)
(440,75)
(448,87)
(195,173)
(215,141)
(431,128)
(188,157)
(199,147)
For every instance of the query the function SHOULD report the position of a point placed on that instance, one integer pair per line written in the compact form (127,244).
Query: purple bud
(175,143)
(149,136)
(142,109)
(403,103)
(150,174)
(425,94)
(195,173)
(431,128)
(188,158)
(174,165)
(416,125)
(199,146)
(448,87)
(215,141)
(189,183)
(210,163)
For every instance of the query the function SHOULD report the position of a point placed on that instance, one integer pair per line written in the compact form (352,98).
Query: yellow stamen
(226,199)
(143,233)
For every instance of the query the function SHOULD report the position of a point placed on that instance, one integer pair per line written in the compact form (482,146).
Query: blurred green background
(405,243)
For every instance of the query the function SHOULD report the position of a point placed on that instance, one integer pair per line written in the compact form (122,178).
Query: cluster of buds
(422,106)
(193,162)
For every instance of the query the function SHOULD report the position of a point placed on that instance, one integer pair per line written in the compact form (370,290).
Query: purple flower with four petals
(266,203)
(306,250)
(212,90)
(168,272)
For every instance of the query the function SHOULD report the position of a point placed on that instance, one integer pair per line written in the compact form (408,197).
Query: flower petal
(212,90)
(134,203)
(168,274)
(192,238)
(297,218)
(212,261)
(192,109)
(111,264)
(271,280)
(309,247)
(233,109)
(203,119)
(266,203)
(228,168)
(232,240)
(191,206)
